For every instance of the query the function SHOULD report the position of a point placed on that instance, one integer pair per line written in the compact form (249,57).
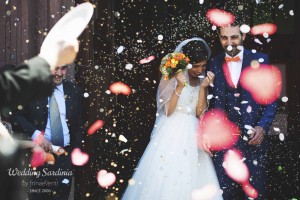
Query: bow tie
(232,59)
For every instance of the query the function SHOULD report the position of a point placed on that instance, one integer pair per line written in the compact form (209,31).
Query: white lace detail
(188,100)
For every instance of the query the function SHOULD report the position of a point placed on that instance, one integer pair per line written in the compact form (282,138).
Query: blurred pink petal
(250,190)
(95,126)
(147,60)
(221,132)
(260,29)
(105,179)
(38,158)
(264,83)
(208,192)
(119,87)
(220,17)
(235,167)
(78,157)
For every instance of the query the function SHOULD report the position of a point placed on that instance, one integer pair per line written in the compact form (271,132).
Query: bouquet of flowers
(173,63)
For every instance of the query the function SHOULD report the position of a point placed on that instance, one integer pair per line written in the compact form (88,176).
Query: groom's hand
(257,135)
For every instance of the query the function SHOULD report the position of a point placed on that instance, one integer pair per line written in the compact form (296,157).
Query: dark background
(136,24)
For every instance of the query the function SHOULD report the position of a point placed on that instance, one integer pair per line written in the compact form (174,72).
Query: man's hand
(44,143)
(257,135)
(205,144)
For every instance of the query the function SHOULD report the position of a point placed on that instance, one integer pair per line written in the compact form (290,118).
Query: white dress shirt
(235,68)
(60,98)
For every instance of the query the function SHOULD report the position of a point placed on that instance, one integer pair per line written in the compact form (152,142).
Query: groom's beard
(235,51)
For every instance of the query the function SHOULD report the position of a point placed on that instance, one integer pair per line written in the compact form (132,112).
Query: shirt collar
(60,87)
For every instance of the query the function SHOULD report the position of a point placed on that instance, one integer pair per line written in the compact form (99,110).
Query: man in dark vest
(228,67)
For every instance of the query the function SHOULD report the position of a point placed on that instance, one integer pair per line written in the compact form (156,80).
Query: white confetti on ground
(86,95)
(213,28)
(201,1)
(244,102)
(291,12)
(280,6)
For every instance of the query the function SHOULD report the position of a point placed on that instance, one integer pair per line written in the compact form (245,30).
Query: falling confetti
(245,28)
(260,29)
(201,1)
(284,99)
(120,49)
(258,41)
(122,138)
(208,191)
(120,88)
(281,136)
(147,60)
(105,179)
(79,158)
(65,181)
(95,126)
(220,17)
(160,37)
(234,167)
(291,12)
(264,83)
(129,66)
(221,132)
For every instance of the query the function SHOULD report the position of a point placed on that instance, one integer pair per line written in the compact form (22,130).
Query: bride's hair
(196,51)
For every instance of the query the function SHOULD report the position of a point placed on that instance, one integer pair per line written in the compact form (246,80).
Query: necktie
(232,59)
(55,122)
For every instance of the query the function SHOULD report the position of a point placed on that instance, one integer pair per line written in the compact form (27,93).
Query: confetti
(105,179)
(222,133)
(95,126)
(264,83)
(260,29)
(78,157)
(120,49)
(147,60)
(245,28)
(220,17)
(120,88)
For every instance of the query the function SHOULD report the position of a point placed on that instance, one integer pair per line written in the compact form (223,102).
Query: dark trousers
(256,163)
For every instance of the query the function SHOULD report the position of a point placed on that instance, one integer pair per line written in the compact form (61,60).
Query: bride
(173,166)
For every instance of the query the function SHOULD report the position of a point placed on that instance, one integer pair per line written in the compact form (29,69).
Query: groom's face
(231,36)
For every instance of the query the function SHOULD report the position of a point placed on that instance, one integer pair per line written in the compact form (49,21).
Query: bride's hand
(205,144)
(209,79)
(181,79)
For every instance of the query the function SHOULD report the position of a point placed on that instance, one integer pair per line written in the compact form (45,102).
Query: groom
(227,67)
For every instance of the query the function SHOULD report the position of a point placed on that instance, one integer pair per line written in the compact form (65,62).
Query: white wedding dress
(173,166)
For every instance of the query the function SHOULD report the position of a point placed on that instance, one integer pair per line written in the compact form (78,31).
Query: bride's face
(198,69)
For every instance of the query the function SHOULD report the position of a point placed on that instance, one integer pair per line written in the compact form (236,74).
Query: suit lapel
(221,87)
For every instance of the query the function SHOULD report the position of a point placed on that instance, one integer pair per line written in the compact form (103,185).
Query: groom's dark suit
(259,116)
(34,117)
